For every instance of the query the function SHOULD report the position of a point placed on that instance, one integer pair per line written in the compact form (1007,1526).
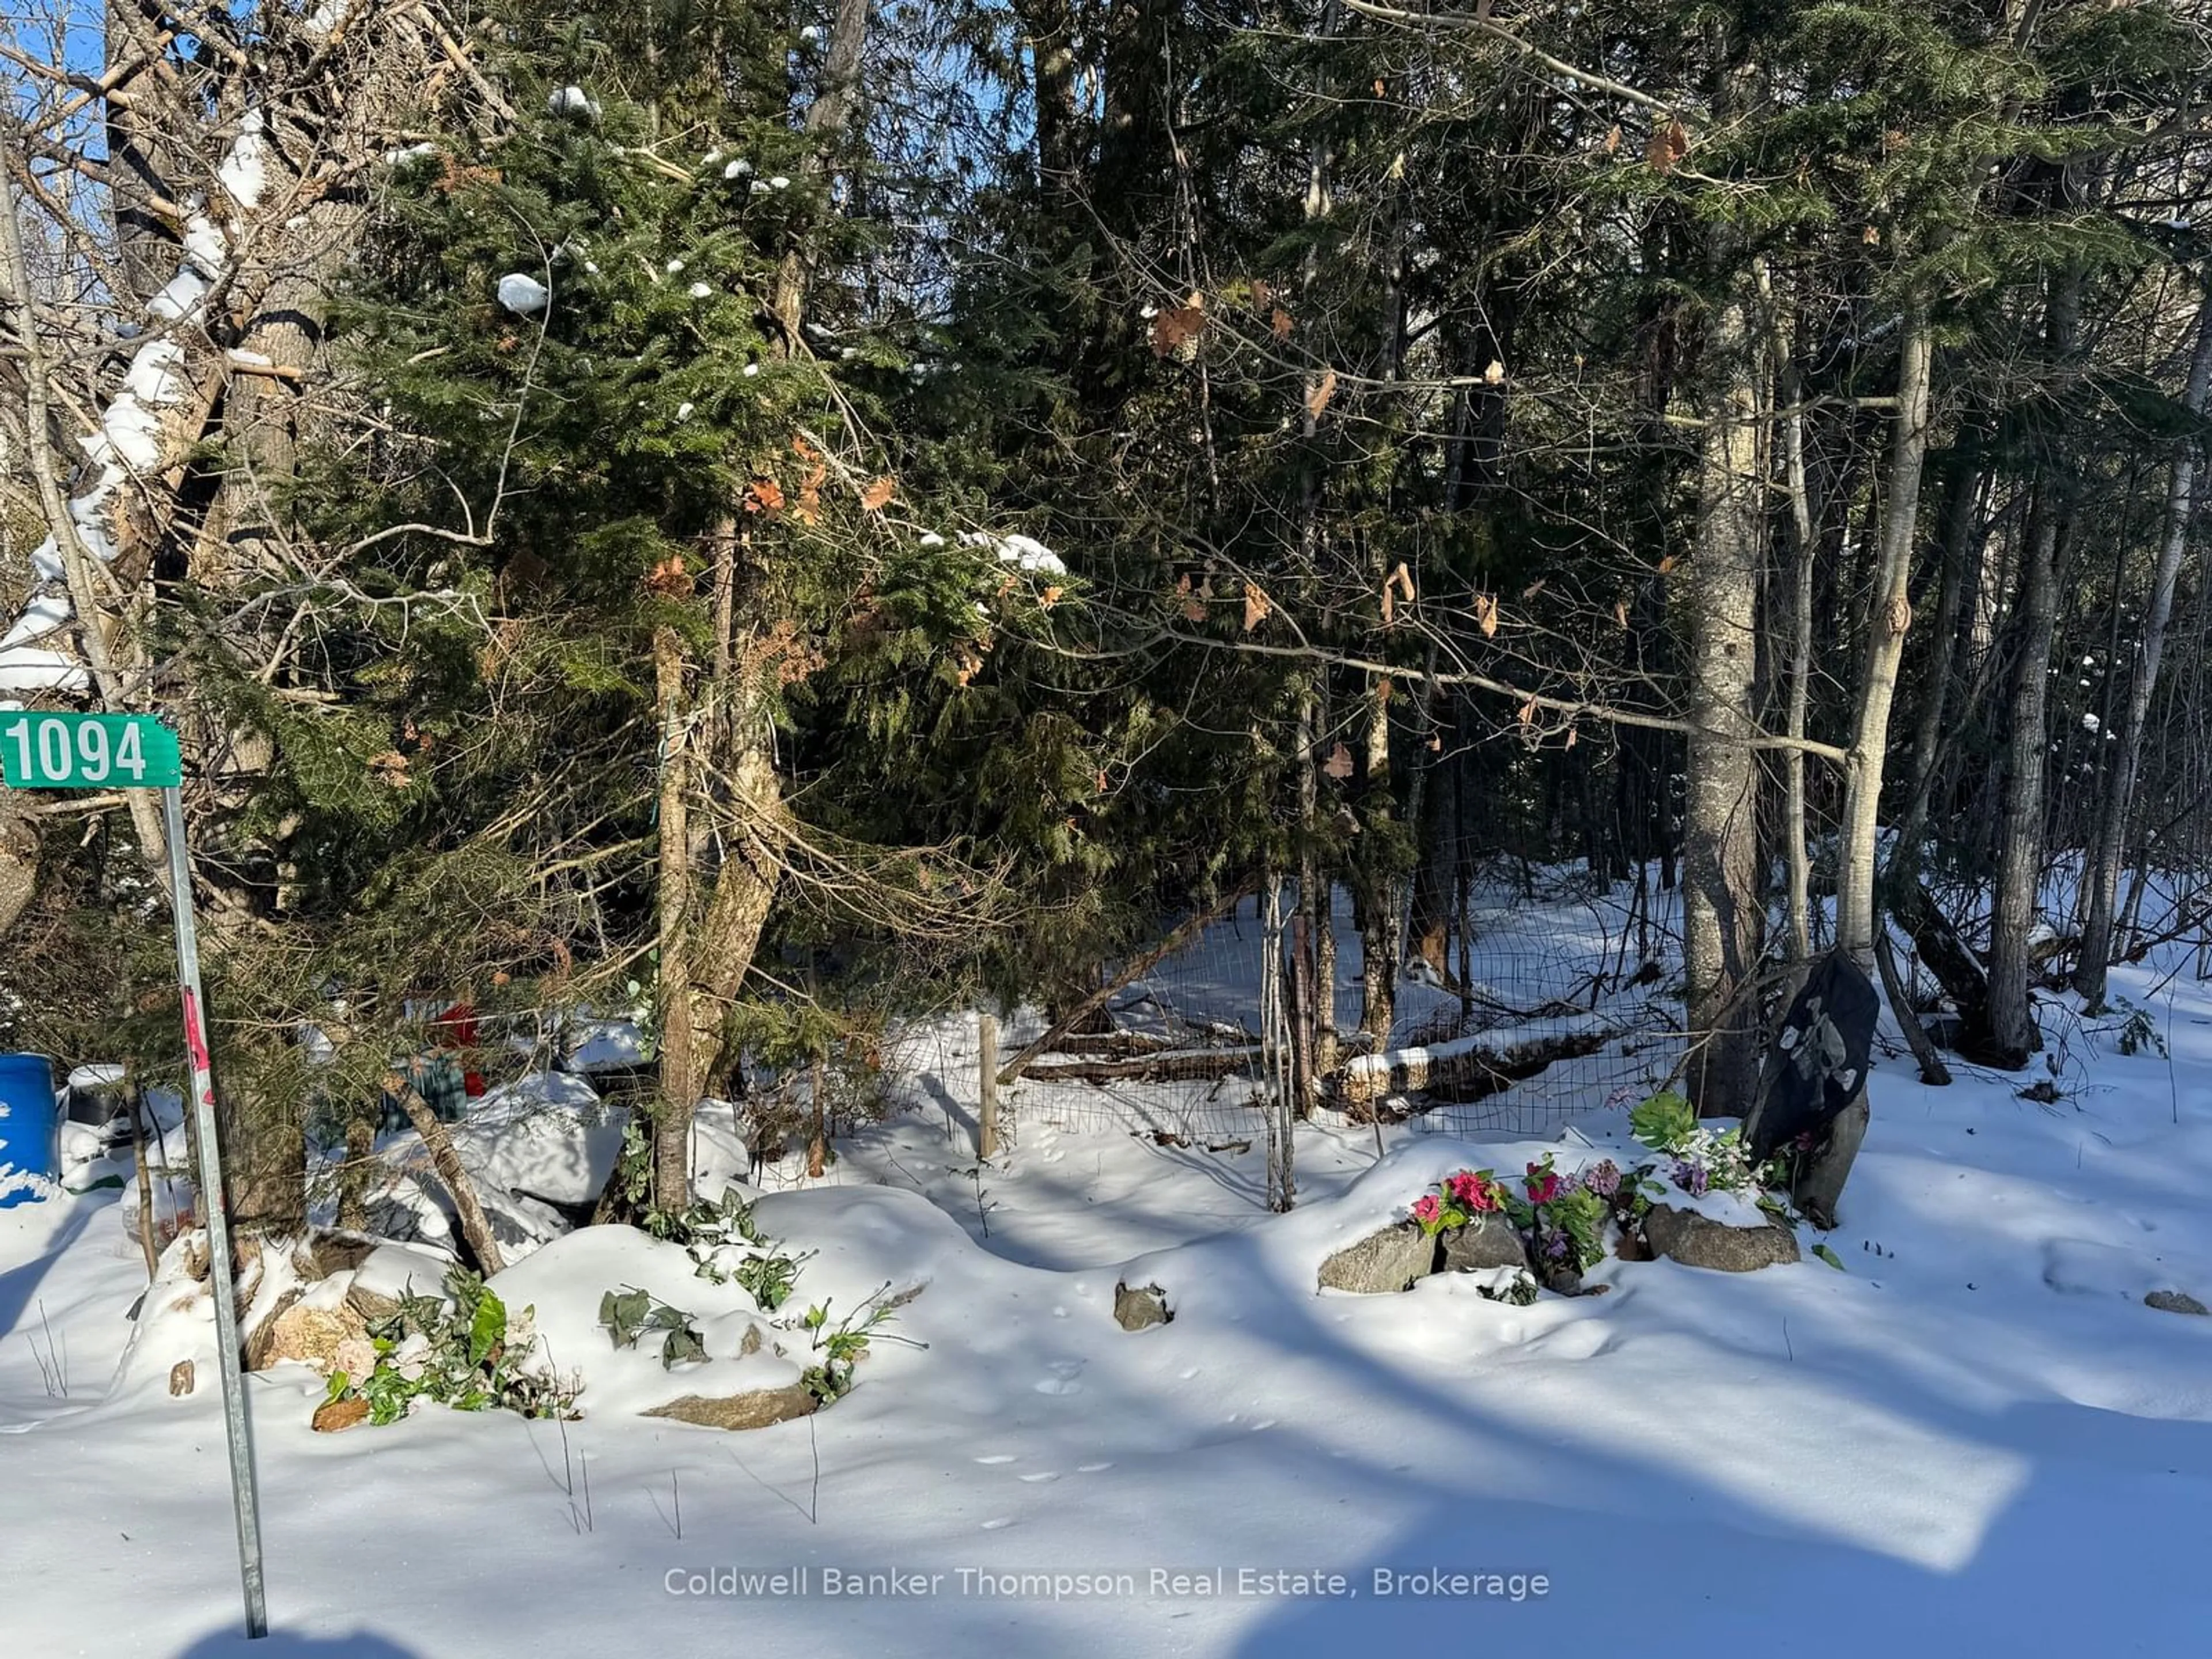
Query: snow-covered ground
(1974,1438)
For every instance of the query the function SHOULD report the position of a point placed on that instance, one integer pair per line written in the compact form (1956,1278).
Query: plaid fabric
(442,1085)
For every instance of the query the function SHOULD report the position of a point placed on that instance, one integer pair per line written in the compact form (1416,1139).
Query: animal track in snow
(1062,1380)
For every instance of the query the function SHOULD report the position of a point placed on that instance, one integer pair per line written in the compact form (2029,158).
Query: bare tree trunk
(1961,533)
(2102,879)
(1890,617)
(1722,924)
(1052,33)
(2013,1032)
(744,893)
(679,1074)
(1789,394)
(1378,913)
(827,119)
(1313,918)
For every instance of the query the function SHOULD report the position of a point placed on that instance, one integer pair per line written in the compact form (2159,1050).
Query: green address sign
(44,750)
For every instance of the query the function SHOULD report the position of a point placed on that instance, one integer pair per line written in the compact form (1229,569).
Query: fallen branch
(1187,1065)
(1471,1067)
(1167,947)
(447,1163)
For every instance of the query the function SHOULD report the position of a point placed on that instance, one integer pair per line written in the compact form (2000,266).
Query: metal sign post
(53,751)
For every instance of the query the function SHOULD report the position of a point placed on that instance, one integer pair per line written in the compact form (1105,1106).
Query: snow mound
(24,1186)
(605,1044)
(564,1282)
(396,1272)
(2076,1266)
(547,1135)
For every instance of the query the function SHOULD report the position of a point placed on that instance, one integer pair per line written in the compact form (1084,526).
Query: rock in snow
(1382,1263)
(1698,1241)
(1139,1307)
(2179,1302)
(756,1408)
(1487,1242)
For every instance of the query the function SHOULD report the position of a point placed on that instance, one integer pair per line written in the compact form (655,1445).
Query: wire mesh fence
(1551,1004)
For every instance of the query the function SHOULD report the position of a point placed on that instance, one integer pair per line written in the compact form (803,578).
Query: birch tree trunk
(1722,924)
(1891,615)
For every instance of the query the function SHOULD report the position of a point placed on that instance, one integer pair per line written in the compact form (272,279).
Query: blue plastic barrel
(27,1114)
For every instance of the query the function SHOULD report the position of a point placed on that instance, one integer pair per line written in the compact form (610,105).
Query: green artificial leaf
(682,1344)
(624,1314)
(1830,1257)
(488,1330)
(1664,1122)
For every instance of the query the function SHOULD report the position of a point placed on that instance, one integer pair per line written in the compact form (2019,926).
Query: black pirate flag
(1820,1059)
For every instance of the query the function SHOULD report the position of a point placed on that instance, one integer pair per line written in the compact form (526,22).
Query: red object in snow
(456,1028)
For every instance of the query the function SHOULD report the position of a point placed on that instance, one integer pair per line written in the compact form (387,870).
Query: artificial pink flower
(1426,1209)
(1543,1185)
(1472,1190)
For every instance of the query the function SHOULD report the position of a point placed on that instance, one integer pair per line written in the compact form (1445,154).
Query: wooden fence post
(987,1133)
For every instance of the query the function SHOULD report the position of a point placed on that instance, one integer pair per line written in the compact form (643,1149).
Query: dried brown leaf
(878,495)
(1319,393)
(1338,764)
(1668,145)
(1176,332)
